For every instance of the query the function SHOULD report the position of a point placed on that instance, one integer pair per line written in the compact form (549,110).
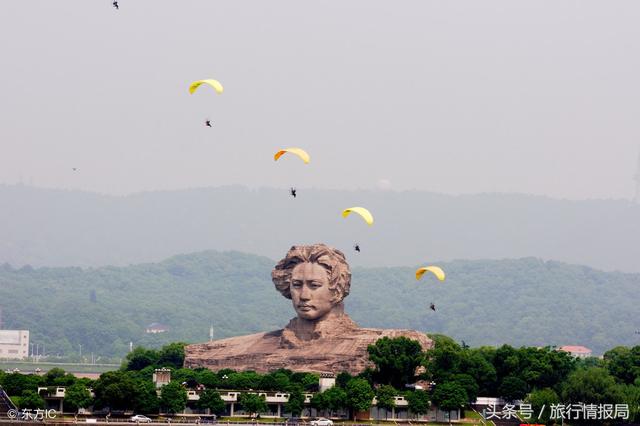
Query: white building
(14,344)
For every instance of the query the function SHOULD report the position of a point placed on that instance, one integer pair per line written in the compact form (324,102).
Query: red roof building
(577,351)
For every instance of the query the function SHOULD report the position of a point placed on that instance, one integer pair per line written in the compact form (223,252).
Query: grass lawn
(25,366)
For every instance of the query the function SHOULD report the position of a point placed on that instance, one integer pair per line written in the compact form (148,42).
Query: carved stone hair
(329,258)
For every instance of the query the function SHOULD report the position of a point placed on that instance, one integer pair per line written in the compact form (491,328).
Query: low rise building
(156,327)
(577,351)
(14,344)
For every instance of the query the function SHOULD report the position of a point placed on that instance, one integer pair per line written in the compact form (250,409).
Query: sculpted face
(310,293)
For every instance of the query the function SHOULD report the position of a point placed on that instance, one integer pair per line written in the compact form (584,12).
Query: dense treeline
(482,303)
(519,302)
(541,376)
(457,374)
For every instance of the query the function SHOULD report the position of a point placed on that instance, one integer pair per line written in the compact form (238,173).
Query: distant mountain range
(43,227)
(483,302)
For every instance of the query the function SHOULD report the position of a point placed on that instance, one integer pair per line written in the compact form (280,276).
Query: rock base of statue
(334,345)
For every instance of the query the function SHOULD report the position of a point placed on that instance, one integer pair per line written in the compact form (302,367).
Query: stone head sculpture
(316,278)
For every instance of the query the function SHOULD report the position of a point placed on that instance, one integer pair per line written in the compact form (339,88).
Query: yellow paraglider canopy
(213,83)
(366,214)
(437,271)
(297,151)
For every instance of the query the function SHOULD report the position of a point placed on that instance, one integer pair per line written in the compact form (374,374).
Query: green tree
(385,397)
(173,397)
(359,395)
(208,378)
(210,399)
(342,379)
(320,402)
(542,398)
(631,396)
(475,363)
(309,381)
(506,362)
(469,384)
(623,363)
(15,383)
(336,398)
(444,360)
(140,358)
(58,377)
(243,380)
(449,396)
(418,402)
(188,375)
(31,399)
(276,380)
(116,390)
(77,396)
(253,403)
(512,388)
(295,405)
(172,355)
(395,359)
(146,398)
(591,386)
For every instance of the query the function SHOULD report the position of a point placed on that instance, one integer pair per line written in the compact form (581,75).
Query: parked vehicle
(321,422)
(139,418)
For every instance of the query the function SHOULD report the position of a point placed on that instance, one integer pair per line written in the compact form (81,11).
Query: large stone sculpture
(322,338)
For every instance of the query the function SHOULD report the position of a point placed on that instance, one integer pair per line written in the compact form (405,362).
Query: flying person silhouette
(116,5)
(357,247)
(208,123)
(293,192)
(432,307)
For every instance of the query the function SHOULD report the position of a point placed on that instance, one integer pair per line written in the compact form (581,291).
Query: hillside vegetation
(43,227)
(492,302)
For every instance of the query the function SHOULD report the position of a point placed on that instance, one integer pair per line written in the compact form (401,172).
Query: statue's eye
(297,284)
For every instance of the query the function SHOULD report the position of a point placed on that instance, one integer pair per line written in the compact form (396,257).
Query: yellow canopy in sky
(366,214)
(213,83)
(297,151)
(437,271)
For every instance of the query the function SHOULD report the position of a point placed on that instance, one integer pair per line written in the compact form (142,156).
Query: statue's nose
(305,294)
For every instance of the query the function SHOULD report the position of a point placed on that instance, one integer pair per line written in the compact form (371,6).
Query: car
(321,422)
(139,418)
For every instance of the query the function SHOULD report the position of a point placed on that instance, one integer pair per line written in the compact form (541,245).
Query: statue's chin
(307,316)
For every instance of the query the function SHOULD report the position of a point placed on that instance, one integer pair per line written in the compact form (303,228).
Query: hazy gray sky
(536,96)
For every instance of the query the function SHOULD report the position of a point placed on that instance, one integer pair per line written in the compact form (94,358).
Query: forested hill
(519,302)
(44,227)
